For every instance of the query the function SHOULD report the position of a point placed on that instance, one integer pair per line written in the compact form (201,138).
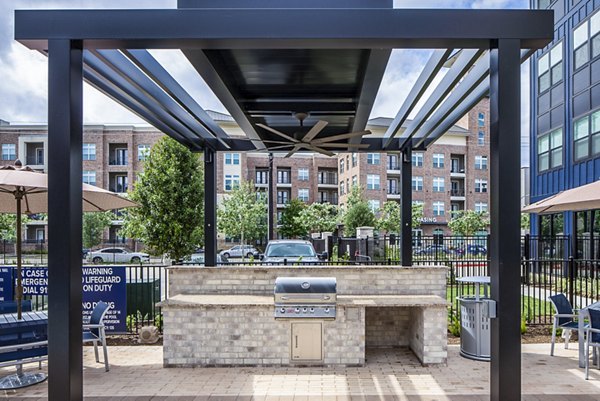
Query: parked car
(291,251)
(117,255)
(476,250)
(238,251)
(433,250)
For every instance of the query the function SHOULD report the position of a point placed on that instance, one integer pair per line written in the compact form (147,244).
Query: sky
(24,76)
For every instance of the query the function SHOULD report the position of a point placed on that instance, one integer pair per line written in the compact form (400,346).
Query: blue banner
(101,283)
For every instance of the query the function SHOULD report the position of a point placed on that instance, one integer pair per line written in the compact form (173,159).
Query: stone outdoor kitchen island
(224,316)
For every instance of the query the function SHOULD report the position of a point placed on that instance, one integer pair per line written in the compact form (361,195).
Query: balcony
(457,194)
(328,179)
(117,162)
(331,200)
(37,160)
(393,168)
(457,168)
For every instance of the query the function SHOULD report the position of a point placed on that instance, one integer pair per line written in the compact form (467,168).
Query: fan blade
(281,134)
(323,151)
(270,149)
(342,145)
(261,140)
(314,131)
(294,150)
(342,136)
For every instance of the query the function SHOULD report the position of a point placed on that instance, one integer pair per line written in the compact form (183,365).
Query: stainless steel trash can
(475,314)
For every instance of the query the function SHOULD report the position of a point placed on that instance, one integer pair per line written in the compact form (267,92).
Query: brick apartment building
(451,175)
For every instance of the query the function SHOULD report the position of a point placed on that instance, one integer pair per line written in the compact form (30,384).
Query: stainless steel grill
(305,297)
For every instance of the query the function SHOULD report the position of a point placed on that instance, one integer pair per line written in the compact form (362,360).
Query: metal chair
(592,339)
(564,318)
(95,332)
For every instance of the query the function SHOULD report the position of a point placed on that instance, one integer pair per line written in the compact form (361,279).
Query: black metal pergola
(264,64)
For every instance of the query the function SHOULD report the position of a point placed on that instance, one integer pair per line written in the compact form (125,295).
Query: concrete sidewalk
(137,374)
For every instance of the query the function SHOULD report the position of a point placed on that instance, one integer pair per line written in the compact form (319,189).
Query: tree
(8,226)
(243,214)
(468,222)
(417,215)
(390,218)
(525,221)
(319,217)
(358,212)
(93,227)
(170,194)
(290,226)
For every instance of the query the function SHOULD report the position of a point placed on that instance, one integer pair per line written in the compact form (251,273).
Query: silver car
(117,255)
(290,251)
(238,251)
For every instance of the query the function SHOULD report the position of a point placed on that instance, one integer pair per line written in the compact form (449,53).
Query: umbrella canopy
(34,186)
(585,197)
(21,186)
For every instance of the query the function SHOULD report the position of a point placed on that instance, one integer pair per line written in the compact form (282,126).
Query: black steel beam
(271,198)
(284,28)
(65,132)
(151,67)
(285,4)
(505,269)
(406,206)
(375,68)
(461,66)
(210,208)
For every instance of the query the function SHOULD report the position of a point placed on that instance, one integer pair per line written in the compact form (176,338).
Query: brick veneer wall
(354,280)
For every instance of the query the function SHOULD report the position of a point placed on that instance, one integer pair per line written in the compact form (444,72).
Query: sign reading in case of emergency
(106,284)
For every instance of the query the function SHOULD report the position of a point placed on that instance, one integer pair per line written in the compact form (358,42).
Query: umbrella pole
(19,196)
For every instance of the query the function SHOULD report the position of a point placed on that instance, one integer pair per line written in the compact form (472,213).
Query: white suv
(290,251)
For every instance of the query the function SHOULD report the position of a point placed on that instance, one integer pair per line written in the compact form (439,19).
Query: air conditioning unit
(148,335)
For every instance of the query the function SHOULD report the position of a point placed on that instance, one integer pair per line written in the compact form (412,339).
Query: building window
(438,208)
(417,159)
(354,180)
(550,149)
(438,184)
(438,160)
(232,158)
(261,177)
(481,138)
(284,176)
(373,181)
(417,183)
(550,70)
(544,4)
(374,205)
(481,207)
(481,186)
(481,162)
(89,151)
(9,151)
(373,158)
(89,177)
(586,41)
(283,197)
(143,152)
(231,181)
(341,165)
(342,187)
(303,174)
(587,136)
(354,159)
(481,119)
(303,194)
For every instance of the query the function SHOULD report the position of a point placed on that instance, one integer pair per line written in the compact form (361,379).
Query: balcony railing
(393,166)
(35,160)
(261,182)
(333,201)
(457,192)
(458,170)
(120,189)
(282,200)
(393,191)
(117,162)
(328,181)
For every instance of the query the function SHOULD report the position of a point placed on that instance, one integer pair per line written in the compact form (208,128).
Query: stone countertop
(189,268)
(192,301)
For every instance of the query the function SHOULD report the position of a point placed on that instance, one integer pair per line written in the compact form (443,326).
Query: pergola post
(65,128)
(210,208)
(406,206)
(271,199)
(505,269)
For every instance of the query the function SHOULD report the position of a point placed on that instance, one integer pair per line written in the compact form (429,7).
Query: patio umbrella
(20,184)
(585,197)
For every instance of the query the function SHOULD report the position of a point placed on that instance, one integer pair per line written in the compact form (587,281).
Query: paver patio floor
(137,374)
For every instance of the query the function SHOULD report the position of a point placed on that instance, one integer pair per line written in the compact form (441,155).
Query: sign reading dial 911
(106,284)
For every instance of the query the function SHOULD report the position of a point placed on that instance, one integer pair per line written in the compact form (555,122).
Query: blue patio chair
(95,332)
(592,339)
(564,318)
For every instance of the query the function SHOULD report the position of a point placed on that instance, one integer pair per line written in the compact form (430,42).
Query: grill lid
(305,285)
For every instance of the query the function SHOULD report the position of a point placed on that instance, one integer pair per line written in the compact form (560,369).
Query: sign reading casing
(106,284)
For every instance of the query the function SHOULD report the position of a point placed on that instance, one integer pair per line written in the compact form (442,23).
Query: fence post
(571,280)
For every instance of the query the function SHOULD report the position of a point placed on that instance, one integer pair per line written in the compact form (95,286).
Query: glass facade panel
(581,56)
(580,35)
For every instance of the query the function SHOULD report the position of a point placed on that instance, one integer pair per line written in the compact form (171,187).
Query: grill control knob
(304,310)
(297,310)
(326,310)
(282,310)
(312,310)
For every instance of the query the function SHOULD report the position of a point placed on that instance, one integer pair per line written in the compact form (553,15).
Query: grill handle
(284,298)
(296,341)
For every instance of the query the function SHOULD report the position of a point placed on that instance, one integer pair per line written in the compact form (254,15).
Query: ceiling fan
(310,140)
